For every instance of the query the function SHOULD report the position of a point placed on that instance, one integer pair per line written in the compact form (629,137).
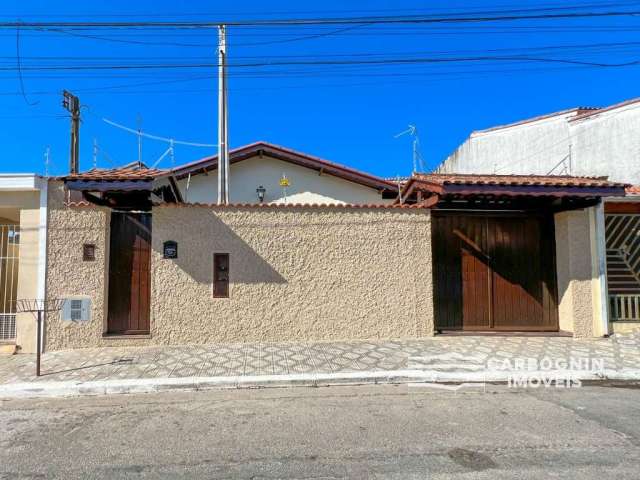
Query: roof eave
(297,158)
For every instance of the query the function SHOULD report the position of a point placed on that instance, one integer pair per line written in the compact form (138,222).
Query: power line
(396,61)
(379,20)
(568,47)
(304,37)
(130,42)
(432,78)
(541,7)
(19,68)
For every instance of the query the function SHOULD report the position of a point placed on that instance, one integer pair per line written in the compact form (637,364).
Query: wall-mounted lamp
(261,191)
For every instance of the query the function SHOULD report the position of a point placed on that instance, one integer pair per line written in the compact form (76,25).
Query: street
(334,432)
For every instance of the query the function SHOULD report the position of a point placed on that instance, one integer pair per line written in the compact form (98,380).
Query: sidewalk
(146,369)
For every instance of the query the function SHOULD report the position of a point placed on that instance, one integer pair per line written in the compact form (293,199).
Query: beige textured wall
(24,207)
(317,274)
(28,276)
(68,275)
(296,274)
(575,274)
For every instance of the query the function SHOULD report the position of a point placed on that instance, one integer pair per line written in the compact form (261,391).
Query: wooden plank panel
(622,207)
(129,273)
(494,272)
(448,274)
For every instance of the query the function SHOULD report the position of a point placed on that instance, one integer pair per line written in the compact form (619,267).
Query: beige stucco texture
(296,274)
(577,280)
(23,207)
(69,276)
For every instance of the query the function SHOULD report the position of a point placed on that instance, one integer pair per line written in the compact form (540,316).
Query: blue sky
(348,114)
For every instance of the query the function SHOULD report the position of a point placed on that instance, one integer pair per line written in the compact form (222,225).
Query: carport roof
(470,185)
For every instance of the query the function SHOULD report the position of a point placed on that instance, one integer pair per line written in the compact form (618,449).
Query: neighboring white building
(579,141)
(23,234)
(310,179)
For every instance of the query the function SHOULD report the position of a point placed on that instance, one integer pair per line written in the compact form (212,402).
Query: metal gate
(622,237)
(9,255)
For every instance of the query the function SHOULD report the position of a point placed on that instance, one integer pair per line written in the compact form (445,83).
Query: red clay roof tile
(516,180)
(117,174)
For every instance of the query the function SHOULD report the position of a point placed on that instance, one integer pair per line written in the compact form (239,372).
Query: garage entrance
(494,272)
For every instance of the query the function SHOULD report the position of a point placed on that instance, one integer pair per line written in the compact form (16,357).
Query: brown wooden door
(476,273)
(494,272)
(129,273)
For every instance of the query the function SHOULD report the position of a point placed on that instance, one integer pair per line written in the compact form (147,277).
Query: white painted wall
(306,185)
(530,148)
(605,144)
(609,144)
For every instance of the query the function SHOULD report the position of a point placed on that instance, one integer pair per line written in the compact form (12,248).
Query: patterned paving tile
(619,352)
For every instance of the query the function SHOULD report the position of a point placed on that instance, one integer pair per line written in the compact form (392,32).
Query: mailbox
(170,249)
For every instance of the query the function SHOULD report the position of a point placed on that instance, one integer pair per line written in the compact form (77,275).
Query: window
(221,275)
(76,310)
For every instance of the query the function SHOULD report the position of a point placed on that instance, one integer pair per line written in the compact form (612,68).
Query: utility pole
(223,147)
(72,104)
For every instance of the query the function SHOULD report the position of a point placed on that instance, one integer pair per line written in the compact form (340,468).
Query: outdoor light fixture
(261,191)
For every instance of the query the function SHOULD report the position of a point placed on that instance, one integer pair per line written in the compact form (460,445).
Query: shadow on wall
(200,237)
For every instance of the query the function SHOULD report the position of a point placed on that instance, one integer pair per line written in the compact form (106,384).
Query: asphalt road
(392,432)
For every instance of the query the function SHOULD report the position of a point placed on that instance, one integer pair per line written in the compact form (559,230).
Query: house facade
(309,259)
(138,262)
(600,142)
(284,176)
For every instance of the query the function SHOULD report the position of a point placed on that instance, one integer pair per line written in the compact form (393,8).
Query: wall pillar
(28,276)
(580,271)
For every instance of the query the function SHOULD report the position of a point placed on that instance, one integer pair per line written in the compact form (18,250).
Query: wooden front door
(129,273)
(494,272)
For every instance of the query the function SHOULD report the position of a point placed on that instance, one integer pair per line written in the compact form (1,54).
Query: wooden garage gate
(494,272)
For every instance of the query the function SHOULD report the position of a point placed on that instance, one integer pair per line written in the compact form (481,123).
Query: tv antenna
(172,142)
(418,161)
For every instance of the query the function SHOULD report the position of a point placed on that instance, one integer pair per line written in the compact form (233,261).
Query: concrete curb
(151,385)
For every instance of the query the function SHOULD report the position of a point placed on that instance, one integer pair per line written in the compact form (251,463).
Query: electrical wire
(19,68)
(395,61)
(379,20)
(541,7)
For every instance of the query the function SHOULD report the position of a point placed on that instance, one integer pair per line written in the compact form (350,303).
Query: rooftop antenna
(168,151)
(418,161)
(47,152)
(139,120)
(172,142)
(95,153)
